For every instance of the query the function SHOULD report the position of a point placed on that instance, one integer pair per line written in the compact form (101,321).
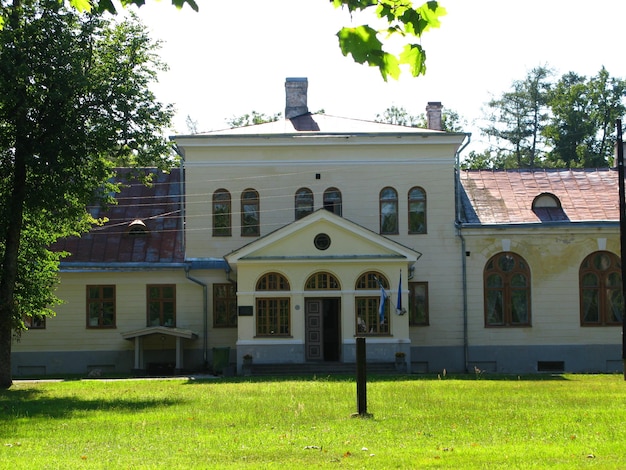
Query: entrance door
(322,335)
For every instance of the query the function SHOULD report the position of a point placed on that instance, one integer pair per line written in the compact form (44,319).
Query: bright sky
(233,57)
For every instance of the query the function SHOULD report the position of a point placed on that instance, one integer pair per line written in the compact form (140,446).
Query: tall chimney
(433,115)
(295,94)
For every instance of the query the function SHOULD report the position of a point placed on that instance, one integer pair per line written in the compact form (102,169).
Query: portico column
(179,353)
(138,352)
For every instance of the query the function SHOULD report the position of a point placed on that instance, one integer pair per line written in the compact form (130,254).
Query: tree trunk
(15,213)
(8,276)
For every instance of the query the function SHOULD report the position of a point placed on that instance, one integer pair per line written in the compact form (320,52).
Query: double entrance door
(323,331)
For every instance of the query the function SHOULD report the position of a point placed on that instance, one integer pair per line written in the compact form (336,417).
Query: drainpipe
(205,315)
(459,226)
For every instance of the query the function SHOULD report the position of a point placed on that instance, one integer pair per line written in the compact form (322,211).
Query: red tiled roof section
(506,196)
(158,238)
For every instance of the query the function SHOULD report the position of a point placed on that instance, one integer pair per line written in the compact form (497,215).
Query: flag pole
(622,235)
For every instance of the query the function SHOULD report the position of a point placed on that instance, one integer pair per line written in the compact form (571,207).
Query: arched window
(273,314)
(388,211)
(250,219)
(601,299)
(370,318)
(322,281)
(303,202)
(221,213)
(332,200)
(417,210)
(507,291)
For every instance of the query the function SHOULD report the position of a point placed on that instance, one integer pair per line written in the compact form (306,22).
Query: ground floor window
(34,322)
(369,320)
(273,317)
(601,298)
(100,306)
(162,305)
(224,306)
(418,304)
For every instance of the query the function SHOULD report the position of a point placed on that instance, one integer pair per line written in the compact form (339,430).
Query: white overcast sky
(233,56)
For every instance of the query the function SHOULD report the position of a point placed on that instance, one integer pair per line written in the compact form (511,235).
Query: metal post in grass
(622,231)
(361,379)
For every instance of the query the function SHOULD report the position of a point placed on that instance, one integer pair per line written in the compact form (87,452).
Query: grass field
(565,421)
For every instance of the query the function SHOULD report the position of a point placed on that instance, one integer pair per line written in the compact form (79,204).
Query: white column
(179,353)
(138,352)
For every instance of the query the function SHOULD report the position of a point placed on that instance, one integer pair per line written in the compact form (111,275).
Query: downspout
(459,227)
(205,315)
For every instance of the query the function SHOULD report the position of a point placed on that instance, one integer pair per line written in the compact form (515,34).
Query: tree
(401,19)
(75,103)
(583,114)
(250,119)
(517,119)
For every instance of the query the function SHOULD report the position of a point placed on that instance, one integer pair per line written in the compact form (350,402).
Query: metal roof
(144,227)
(506,196)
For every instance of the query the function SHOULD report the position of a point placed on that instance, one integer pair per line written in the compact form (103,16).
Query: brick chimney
(295,94)
(433,115)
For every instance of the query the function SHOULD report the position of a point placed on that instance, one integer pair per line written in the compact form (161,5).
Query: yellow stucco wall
(554,256)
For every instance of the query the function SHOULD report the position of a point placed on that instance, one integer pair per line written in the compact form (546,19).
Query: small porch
(138,336)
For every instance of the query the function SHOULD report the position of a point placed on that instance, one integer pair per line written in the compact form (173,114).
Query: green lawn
(567,421)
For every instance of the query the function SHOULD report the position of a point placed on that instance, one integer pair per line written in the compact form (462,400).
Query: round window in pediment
(321,241)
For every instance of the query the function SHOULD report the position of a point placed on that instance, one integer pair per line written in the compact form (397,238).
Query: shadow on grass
(33,403)
(382,378)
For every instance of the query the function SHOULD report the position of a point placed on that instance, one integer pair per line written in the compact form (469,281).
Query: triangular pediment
(322,235)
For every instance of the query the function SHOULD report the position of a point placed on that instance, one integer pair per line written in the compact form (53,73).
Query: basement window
(550,366)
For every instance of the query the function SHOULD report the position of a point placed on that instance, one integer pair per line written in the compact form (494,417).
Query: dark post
(622,230)
(361,377)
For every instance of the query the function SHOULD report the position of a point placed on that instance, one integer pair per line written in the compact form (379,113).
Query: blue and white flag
(399,301)
(383,299)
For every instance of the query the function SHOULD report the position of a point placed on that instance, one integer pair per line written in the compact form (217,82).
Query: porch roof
(160,330)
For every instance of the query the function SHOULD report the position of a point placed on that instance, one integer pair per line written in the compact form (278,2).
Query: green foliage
(542,123)
(253,118)
(75,104)
(567,421)
(402,20)
(518,117)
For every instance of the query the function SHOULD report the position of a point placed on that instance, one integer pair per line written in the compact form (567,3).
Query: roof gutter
(205,316)
(85,267)
(463,252)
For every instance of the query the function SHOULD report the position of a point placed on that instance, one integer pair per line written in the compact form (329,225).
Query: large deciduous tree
(75,103)
(584,112)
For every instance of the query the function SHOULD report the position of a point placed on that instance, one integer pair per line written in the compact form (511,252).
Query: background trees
(75,103)
(553,124)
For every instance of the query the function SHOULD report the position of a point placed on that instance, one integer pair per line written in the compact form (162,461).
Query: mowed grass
(568,421)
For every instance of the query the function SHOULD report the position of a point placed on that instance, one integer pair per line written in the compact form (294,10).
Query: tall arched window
(507,290)
(250,219)
(601,298)
(417,210)
(273,314)
(303,202)
(221,213)
(370,318)
(332,200)
(388,211)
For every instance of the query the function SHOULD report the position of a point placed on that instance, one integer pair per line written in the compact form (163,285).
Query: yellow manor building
(280,243)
